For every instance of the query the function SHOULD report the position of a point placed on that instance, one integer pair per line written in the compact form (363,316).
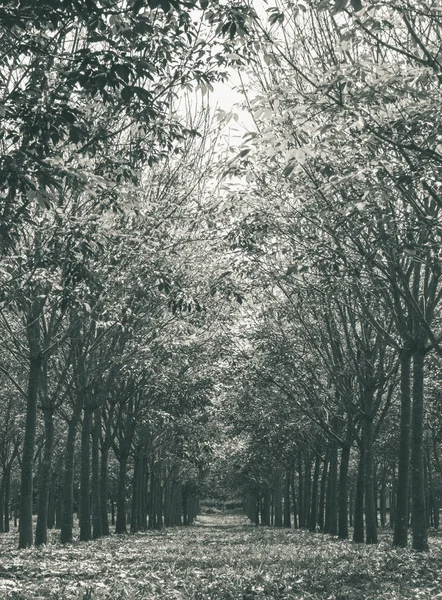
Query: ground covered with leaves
(219,558)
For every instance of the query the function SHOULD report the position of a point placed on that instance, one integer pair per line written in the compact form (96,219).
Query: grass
(222,557)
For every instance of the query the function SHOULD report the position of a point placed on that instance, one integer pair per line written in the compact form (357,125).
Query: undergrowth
(220,558)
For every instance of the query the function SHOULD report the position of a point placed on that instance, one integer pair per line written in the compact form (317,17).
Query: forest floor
(221,557)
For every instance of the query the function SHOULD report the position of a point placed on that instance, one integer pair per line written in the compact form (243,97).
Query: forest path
(221,557)
(223,520)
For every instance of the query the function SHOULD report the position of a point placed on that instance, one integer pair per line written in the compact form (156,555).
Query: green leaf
(127,93)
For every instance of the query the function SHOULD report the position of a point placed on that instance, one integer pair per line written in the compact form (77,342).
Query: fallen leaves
(220,558)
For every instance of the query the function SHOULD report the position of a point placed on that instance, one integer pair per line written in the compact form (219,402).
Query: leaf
(127,93)
(74,134)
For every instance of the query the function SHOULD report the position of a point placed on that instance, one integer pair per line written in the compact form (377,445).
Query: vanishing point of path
(221,557)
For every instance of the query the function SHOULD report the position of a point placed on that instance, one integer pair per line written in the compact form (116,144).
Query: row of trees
(341,219)
(103,166)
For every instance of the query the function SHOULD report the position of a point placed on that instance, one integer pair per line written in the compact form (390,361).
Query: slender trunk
(307,489)
(52,500)
(265,513)
(144,494)
(332,505)
(7,495)
(400,537)
(370,508)
(68,477)
(314,505)
(383,502)
(287,514)
(134,524)
(141,496)
(103,489)
(343,492)
(358,531)
(322,490)
(186,508)
(427,495)
(432,494)
(41,531)
(26,488)
(96,509)
(120,525)
(278,499)
(301,492)
(351,507)
(2,501)
(420,541)
(85,471)
(159,503)
(293,486)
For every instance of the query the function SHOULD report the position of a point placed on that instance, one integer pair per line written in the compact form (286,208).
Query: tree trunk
(301,492)
(314,504)
(144,494)
(420,541)
(7,495)
(287,514)
(307,489)
(265,512)
(383,502)
(371,536)
(85,471)
(2,501)
(293,486)
(278,499)
(41,531)
(400,537)
(136,480)
(120,525)
(331,517)
(26,487)
(322,490)
(52,500)
(68,477)
(96,509)
(343,493)
(432,494)
(358,531)
(103,489)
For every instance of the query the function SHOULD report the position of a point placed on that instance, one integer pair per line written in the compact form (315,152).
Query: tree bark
(2,501)
(136,481)
(400,537)
(96,509)
(358,531)
(278,499)
(120,525)
(68,477)
(420,540)
(322,491)
(314,504)
(343,493)
(287,513)
(307,489)
(103,490)
(41,531)
(331,517)
(7,495)
(26,487)
(85,470)
(371,536)
(301,492)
